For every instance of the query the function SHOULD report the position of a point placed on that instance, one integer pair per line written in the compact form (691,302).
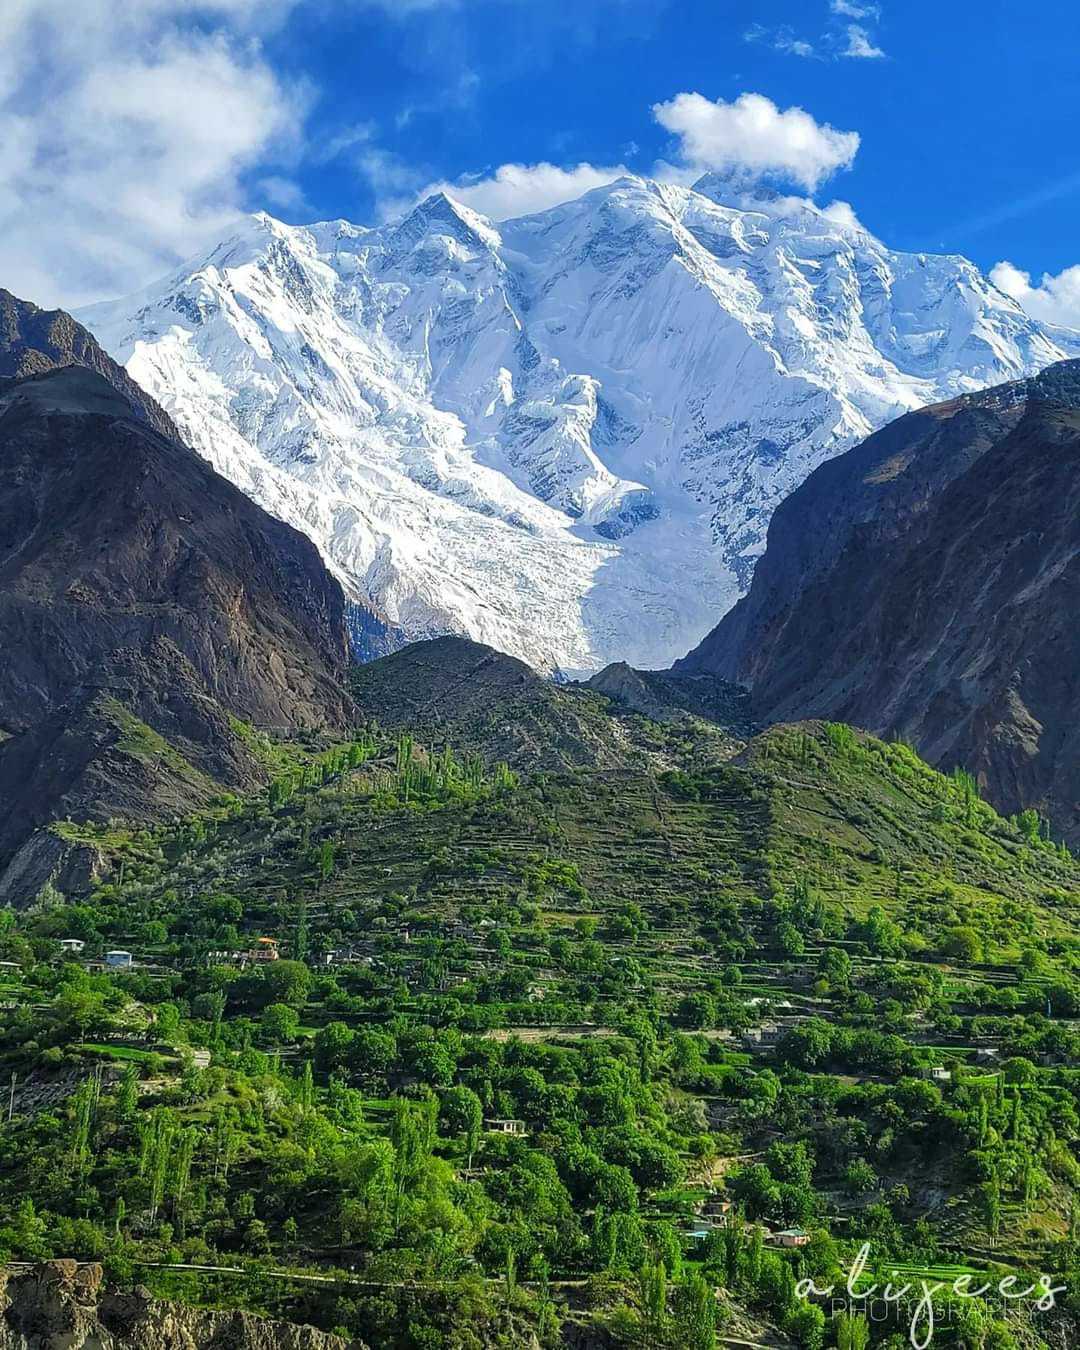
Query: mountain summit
(563,435)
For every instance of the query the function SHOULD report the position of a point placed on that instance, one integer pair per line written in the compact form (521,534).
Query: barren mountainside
(925,585)
(145,603)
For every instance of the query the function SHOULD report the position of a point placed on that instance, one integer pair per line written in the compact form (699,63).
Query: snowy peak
(563,436)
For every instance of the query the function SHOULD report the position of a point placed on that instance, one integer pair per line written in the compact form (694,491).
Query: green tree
(963,944)
(695,1314)
(332,1045)
(860,1177)
(461,1111)
(279,1024)
(127,1102)
(326,860)
(836,966)
(652,1291)
(287,982)
(991,1201)
(806,1325)
(852,1332)
(880,934)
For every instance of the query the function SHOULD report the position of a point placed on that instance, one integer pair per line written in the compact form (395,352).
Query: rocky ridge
(923,586)
(147,607)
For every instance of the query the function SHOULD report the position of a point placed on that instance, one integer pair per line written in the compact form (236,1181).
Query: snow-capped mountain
(563,435)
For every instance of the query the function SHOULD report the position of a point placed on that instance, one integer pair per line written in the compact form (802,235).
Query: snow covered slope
(562,436)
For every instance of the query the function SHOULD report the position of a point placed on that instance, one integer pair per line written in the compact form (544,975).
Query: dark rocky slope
(145,605)
(112,536)
(666,697)
(451,690)
(925,585)
(60,1305)
(33,341)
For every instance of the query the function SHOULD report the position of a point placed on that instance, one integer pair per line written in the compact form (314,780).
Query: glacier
(562,435)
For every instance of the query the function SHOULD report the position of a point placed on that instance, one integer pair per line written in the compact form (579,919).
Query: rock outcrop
(61,1305)
(113,536)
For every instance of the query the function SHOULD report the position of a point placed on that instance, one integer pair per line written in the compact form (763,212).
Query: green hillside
(536,1032)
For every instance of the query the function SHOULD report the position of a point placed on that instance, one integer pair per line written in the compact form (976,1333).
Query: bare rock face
(113,536)
(926,585)
(60,1305)
(146,604)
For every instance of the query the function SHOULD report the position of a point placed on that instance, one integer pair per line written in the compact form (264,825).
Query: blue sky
(128,141)
(963,117)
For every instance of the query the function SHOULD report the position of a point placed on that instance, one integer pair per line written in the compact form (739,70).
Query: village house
(936,1073)
(791,1237)
(265,949)
(516,1127)
(768,1034)
(73,945)
(346,956)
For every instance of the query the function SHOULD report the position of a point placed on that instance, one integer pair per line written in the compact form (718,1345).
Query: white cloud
(753,134)
(1056,299)
(281,192)
(523,189)
(851,9)
(843,213)
(838,42)
(126,131)
(859,44)
(786,41)
(782,40)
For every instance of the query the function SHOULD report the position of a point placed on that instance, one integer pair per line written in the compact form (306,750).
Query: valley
(485,1044)
(538,795)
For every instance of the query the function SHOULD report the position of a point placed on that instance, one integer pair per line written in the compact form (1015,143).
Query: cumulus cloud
(1055,299)
(523,189)
(125,135)
(753,134)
